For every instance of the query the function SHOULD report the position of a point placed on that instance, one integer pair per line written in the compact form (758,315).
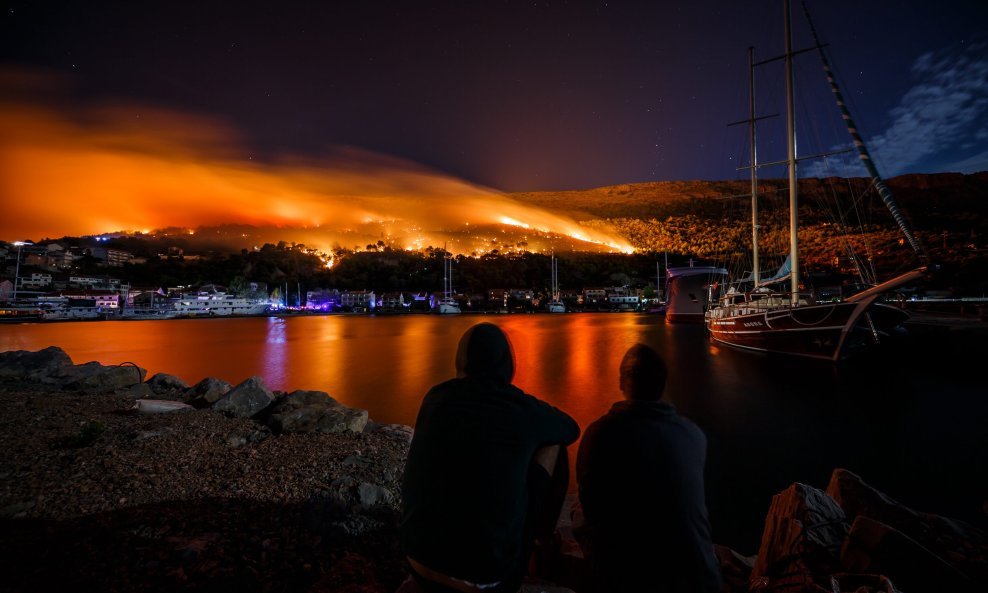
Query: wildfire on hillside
(134,168)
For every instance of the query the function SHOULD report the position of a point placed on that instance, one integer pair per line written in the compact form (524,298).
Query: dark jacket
(640,476)
(465,496)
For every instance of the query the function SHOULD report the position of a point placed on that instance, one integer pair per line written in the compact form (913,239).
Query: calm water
(912,422)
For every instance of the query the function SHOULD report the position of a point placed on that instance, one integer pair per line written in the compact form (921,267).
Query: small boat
(20,313)
(792,322)
(447,304)
(556,304)
(71,313)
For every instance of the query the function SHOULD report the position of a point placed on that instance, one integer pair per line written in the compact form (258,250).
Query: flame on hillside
(130,168)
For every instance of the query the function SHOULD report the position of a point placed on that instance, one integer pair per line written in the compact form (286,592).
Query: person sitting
(640,476)
(478,472)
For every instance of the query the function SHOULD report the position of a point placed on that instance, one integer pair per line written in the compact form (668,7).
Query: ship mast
(755,273)
(791,149)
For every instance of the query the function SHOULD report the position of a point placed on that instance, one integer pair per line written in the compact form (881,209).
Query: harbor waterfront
(910,422)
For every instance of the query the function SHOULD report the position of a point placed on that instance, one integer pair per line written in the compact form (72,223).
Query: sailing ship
(448,305)
(791,322)
(556,304)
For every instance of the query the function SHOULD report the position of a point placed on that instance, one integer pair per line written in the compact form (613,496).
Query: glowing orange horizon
(126,168)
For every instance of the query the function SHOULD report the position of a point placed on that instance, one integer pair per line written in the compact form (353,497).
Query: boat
(687,291)
(447,304)
(14,312)
(767,319)
(73,313)
(149,311)
(210,301)
(556,304)
(138,314)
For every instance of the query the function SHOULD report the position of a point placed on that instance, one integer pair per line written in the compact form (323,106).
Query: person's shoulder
(611,421)
(690,428)
(445,386)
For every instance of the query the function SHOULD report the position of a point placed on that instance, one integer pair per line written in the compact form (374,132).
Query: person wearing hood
(640,476)
(478,472)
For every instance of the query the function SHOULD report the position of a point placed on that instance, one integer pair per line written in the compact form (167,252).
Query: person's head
(485,353)
(643,373)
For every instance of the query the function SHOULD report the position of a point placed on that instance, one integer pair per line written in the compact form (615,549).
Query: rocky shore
(112,481)
(100,489)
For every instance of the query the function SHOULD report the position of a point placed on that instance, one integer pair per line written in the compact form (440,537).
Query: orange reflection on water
(382,364)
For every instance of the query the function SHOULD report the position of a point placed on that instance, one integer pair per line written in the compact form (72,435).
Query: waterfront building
(594,297)
(102,298)
(358,299)
(392,301)
(322,299)
(624,302)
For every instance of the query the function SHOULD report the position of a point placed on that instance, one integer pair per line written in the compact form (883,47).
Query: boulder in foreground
(314,411)
(207,392)
(247,399)
(42,365)
(97,378)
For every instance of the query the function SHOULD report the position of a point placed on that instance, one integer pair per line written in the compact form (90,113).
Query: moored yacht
(210,301)
(774,320)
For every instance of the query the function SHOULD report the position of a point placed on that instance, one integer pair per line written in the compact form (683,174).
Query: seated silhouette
(478,473)
(640,476)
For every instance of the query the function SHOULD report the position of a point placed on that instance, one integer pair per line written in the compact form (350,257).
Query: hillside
(926,197)
(710,219)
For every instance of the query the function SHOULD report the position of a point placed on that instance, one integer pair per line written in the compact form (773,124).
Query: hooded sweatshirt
(465,491)
(640,475)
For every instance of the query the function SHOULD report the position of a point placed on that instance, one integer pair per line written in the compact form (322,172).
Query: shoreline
(97,496)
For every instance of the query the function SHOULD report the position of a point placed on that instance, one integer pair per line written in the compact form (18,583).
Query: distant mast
(863,154)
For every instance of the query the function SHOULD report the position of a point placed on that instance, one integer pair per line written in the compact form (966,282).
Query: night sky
(510,95)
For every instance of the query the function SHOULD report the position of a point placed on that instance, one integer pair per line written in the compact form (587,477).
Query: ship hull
(822,331)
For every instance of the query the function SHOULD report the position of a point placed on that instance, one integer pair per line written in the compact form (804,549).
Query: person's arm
(587,481)
(553,425)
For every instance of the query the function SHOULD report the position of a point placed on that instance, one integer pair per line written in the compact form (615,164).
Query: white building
(33,282)
(358,299)
(94,282)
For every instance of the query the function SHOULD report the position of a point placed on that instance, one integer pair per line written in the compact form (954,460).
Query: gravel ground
(96,497)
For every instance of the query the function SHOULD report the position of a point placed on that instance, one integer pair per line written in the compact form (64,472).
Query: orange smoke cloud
(134,168)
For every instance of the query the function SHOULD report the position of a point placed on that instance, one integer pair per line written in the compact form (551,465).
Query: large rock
(804,531)
(247,399)
(164,383)
(314,411)
(961,545)
(207,392)
(876,548)
(98,378)
(25,365)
